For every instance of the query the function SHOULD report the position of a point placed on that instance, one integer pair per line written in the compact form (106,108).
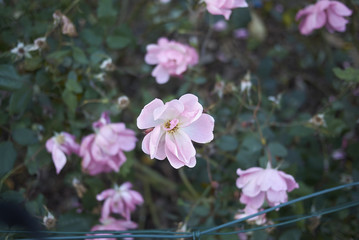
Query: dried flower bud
(49,221)
(246,83)
(107,65)
(318,120)
(79,187)
(68,28)
(123,102)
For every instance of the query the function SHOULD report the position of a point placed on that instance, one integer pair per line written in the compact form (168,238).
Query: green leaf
(118,42)
(105,9)
(8,157)
(72,84)
(36,158)
(293,234)
(277,149)
(24,136)
(32,64)
(348,74)
(227,143)
(252,144)
(58,56)
(70,100)
(9,79)
(71,222)
(79,56)
(91,37)
(20,99)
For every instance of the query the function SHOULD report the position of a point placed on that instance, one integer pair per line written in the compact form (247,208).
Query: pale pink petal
(161,74)
(146,119)
(105,194)
(340,9)
(201,131)
(336,22)
(59,158)
(50,144)
(156,135)
(192,109)
(169,111)
(276,197)
(290,181)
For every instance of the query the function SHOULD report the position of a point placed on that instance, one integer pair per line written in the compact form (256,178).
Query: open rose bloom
(172,59)
(174,126)
(224,7)
(323,13)
(260,184)
(102,151)
(121,200)
(59,146)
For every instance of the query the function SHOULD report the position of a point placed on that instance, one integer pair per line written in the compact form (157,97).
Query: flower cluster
(173,126)
(323,13)
(172,59)
(260,184)
(121,200)
(22,50)
(101,152)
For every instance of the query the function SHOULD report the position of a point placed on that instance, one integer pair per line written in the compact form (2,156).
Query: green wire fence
(197,234)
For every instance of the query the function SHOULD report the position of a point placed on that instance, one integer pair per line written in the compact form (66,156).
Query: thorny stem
(263,140)
(187,183)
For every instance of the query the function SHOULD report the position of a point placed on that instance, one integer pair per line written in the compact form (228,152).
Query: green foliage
(8,158)
(62,87)
(348,74)
(9,78)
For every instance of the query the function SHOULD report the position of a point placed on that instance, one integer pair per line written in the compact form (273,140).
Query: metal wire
(196,235)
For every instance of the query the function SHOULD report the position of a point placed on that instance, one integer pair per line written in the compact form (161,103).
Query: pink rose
(112,224)
(224,7)
(172,59)
(258,184)
(121,200)
(259,220)
(59,146)
(174,125)
(324,12)
(103,151)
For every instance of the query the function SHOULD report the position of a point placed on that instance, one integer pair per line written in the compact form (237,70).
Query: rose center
(171,125)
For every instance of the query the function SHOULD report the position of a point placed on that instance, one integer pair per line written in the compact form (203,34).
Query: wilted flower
(123,102)
(121,200)
(324,12)
(246,83)
(100,76)
(174,125)
(259,220)
(172,59)
(275,99)
(107,65)
(21,50)
(224,7)
(103,151)
(59,146)
(241,33)
(260,184)
(49,221)
(68,28)
(79,187)
(318,120)
(112,224)
(39,43)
